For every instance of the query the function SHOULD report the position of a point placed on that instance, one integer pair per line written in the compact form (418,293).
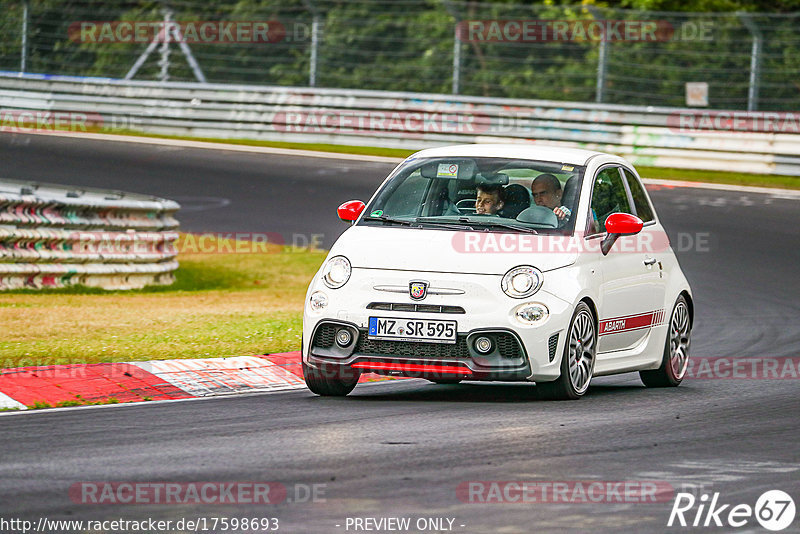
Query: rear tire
(331,381)
(577,362)
(676,350)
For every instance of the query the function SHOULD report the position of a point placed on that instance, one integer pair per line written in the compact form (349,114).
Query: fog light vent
(344,337)
(483,345)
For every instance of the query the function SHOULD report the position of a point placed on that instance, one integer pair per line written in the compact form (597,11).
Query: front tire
(331,381)
(577,362)
(676,350)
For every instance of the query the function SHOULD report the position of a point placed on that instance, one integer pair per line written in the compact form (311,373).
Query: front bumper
(475,302)
(507,361)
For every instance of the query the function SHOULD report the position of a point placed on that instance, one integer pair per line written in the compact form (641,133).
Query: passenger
(546,190)
(491,198)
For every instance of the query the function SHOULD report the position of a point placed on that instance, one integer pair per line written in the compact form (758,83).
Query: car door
(627,301)
(652,243)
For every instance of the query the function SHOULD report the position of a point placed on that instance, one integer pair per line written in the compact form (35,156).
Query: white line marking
(219,146)
(790,194)
(8,402)
(254,393)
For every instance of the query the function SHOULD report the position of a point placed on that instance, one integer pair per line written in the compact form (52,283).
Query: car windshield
(480,194)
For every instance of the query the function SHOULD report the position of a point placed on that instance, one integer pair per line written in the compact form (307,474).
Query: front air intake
(552,345)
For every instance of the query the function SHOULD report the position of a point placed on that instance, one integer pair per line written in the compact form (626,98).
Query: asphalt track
(402,449)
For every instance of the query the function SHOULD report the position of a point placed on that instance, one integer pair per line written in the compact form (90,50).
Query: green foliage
(77,401)
(409,45)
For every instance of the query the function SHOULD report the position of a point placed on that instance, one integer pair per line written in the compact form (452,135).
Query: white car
(500,262)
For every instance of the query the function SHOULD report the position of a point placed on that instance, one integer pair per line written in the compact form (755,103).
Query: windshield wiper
(387,219)
(435,221)
(470,224)
(492,223)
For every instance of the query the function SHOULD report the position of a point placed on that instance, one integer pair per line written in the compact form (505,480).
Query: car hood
(416,249)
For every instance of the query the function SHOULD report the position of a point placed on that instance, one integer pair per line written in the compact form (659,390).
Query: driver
(491,198)
(546,191)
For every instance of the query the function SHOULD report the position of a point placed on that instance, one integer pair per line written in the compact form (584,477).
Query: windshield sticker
(447,170)
(566,168)
(376,213)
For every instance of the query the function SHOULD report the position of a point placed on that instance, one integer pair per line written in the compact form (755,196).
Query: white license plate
(402,329)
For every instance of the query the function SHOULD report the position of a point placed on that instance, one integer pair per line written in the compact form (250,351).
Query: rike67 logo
(774,510)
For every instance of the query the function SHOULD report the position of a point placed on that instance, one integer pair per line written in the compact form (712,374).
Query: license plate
(401,329)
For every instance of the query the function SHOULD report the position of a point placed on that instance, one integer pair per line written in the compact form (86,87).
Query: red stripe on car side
(616,325)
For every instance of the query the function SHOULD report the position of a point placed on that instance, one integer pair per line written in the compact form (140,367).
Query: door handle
(650,261)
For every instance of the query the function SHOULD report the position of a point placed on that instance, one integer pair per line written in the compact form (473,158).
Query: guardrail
(54,236)
(764,143)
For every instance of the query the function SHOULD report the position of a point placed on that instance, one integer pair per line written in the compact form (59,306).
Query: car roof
(574,156)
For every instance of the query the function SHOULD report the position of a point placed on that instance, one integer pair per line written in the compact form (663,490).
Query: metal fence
(54,236)
(752,142)
(575,53)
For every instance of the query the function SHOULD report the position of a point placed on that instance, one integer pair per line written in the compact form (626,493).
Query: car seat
(569,196)
(517,199)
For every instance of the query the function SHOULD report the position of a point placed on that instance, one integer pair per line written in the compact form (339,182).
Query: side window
(643,209)
(406,200)
(608,196)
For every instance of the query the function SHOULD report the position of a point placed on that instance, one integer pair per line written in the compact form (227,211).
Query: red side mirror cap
(350,210)
(623,224)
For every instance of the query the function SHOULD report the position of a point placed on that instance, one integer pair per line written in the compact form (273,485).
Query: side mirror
(350,210)
(618,224)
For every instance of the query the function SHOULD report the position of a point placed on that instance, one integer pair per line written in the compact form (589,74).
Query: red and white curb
(156,380)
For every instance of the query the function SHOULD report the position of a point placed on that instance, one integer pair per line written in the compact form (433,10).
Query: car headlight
(336,272)
(522,282)
(318,301)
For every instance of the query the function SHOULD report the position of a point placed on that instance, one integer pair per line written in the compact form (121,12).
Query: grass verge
(226,304)
(77,401)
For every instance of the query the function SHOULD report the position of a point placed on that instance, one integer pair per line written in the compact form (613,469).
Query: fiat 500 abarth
(505,263)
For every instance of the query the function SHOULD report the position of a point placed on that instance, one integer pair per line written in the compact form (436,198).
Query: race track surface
(401,449)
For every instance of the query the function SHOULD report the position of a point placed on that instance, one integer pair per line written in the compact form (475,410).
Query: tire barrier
(752,142)
(54,236)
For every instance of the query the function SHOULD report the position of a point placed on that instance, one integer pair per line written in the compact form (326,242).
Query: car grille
(507,345)
(411,348)
(552,344)
(421,308)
